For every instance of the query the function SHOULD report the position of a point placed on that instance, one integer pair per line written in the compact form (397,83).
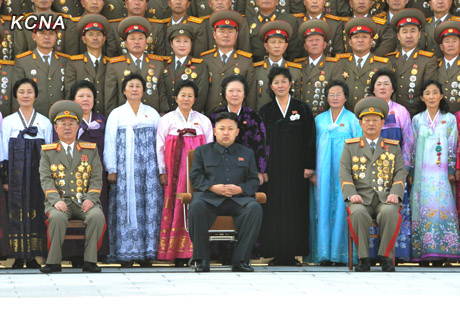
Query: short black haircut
(234,78)
(80,85)
(278,71)
(21,81)
(227,115)
(443,106)
(131,77)
(187,83)
(383,72)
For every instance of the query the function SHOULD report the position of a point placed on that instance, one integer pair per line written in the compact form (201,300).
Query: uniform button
(145,101)
(373,180)
(309,83)
(402,76)
(220,93)
(73,198)
(71,173)
(308,101)
(373,172)
(308,92)
(356,87)
(97,92)
(49,78)
(97,82)
(373,164)
(71,181)
(400,86)
(222,74)
(51,95)
(399,95)
(72,190)
(356,97)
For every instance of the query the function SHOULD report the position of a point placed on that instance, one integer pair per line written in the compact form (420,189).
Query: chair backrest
(190,155)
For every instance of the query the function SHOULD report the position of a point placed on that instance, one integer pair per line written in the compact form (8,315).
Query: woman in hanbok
(23,134)
(4,242)
(178,132)
(328,226)
(291,136)
(435,230)
(136,196)
(398,126)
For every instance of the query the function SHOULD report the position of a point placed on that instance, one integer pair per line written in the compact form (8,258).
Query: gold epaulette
(76,57)
(207,52)
(87,145)
(256,64)
(195,60)
(19,56)
(166,20)
(157,57)
(75,19)
(381,59)
(50,146)
(62,54)
(117,59)
(345,19)
(428,19)
(195,20)
(391,141)
(156,20)
(332,59)
(243,53)
(455,18)
(292,64)
(67,16)
(352,140)
(392,53)
(300,59)
(426,53)
(7,62)
(206,17)
(343,55)
(298,15)
(115,20)
(381,15)
(333,17)
(6,17)
(379,21)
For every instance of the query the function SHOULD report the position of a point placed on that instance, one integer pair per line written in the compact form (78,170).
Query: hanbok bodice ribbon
(177,154)
(94,125)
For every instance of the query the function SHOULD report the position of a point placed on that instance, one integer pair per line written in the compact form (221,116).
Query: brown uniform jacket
(200,43)
(7,45)
(6,79)
(243,42)
(450,80)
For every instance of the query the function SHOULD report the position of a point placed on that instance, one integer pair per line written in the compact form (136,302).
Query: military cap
(134,24)
(42,19)
(360,25)
(408,17)
(95,22)
(65,109)
(2,32)
(180,29)
(447,28)
(314,26)
(371,106)
(276,28)
(226,19)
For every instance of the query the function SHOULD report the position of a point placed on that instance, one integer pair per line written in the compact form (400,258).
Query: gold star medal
(355,159)
(345,75)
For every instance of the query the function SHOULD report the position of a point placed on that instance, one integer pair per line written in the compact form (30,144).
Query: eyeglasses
(335,95)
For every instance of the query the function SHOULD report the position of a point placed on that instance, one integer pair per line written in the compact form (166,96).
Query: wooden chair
(75,224)
(223,228)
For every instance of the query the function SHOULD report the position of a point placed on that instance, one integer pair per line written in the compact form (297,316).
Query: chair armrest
(185,198)
(261,197)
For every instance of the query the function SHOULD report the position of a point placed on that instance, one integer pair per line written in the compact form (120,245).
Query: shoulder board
(352,140)
(207,52)
(117,59)
(49,147)
(62,54)
(6,17)
(195,60)
(75,19)
(426,53)
(393,53)
(296,65)
(195,20)
(256,64)
(67,16)
(157,57)
(156,20)
(332,17)
(455,18)
(77,57)
(429,19)
(23,54)
(300,59)
(343,55)
(332,59)
(379,21)
(345,19)
(115,20)
(205,17)
(381,15)
(298,15)
(381,59)
(243,53)
(391,141)
(166,20)
(87,145)
(7,62)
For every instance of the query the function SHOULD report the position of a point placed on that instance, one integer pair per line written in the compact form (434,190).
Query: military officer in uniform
(7,45)
(266,14)
(45,66)
(182,66)
(447,35)
(158,9)
(317,69)
(114,9)
(92,64)
(253,7)
(71,7)
(15,7)
(384,39)
(372,177)
(225,60)
(71,177)
(6,74)
(201,8)
(337,7)
(276,36)
(412,66)
(134,31)
(358,67)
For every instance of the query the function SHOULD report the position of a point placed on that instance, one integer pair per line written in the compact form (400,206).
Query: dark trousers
(247,218)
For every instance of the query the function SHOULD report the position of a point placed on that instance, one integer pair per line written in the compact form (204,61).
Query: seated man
(224,176)
(372,177)
(71,177)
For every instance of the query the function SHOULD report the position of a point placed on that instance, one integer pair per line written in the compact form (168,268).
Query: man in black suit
(224,176)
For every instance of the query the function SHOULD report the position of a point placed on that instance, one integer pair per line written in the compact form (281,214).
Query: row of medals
(383,168)
(82,176)
(455,91)
(7,47)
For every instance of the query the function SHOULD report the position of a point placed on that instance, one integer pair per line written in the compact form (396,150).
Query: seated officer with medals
(372,177)
(71,177)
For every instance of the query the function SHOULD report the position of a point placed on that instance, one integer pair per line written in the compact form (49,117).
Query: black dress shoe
(91,267)
(387,265)
(18,263)
(242,267)
(51,268)
(364,265)
(203,266)
(32,263)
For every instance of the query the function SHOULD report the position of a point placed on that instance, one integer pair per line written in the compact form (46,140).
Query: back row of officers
(315,45)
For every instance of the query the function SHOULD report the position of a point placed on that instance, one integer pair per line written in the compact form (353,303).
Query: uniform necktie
(224,59)
(360,60)
(178,65)
(275,65)
(448,67)
(46,60)
(312,65)
(69,154)
(138,65)
(372,147)
(406,57)
(436,23)
(96,65)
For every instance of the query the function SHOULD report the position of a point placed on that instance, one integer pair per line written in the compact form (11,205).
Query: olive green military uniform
(6,79)
(7,45)
(262,70)
(358,80)
(411,74)
(200,43)
(239,62)
(250,8)
(16,7)
(384,38)
(70,7)
(314,81)
(431,45)
(158,9)
(193,70)
(243,42)
(257,46)
(200,8)
(423,5)
(337,7)
(152,70)
(450,80)
(80,67)
(50,79)
(114,9)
